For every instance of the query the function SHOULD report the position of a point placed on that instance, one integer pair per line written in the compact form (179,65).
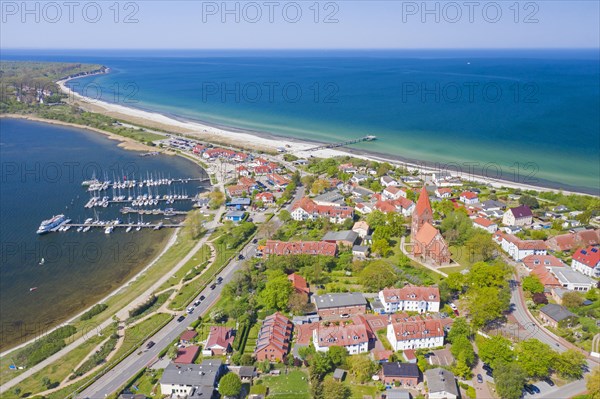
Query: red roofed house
(237,190)
(199,148)
(307,209)
(274,338)
(393,192)
(353,337)
(247,181)
(278,180)
(569,241)
(415,334)
(242,170)
(443,192)
(274,247)
(533,261)
(485,224)
(468,197)
(187,355)
(188,336)
(546,278)
(262,170)
(587,261)
(266,198)
(428,242)
(402,205)
(518,249)
(410,298)
(299,283)
(219,341)
(519,216)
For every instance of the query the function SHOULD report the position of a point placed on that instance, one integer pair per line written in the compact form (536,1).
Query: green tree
(320,364)
(277,291)
(456,281)
(457,227)
(462,369)
(487,304)
(335,390)
(460,328)
(570,364)
(532,284)
(216,198)
(376,219)
(529,201)
(510,379)
(535,357)
(362,368)
(483,274)
(246,360)
(230,385)
(381,247)
(284,216)
(593,383)
(495,350)
(337,355)
(480,246)
(462,349)
(377,275)
(572,299)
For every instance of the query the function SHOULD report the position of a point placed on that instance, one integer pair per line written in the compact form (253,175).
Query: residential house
(274,338)
(219,341)
(353,337)
(411,299)
(266,198)
(411,180)
(187,337)
(361,228)
(358,178)
(468,197)
(191,380)
(492,205)
(330,198)
(361,192)
(428,242)
(415,334)
(546,278)
(394,193)
(282,248)
(407,374)
(441,384)
(277,180)
(402,205)
(396,394)
(307,209)
(587,261)
(443,192)
(387,181)
(242,170)
(235,216)
(237,190)
(338,305)
(571,241)
(519,216)
(519,249)
(345,238)
(360,251)
(445,179)
(485,224)
(533,261)
(553,314)
(299,283)
(571,279)
(248,182)
(187,355)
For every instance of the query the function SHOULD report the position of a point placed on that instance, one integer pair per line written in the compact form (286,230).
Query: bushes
(96,309)
(97,358)
(143,307)
(241,338)
(46,346)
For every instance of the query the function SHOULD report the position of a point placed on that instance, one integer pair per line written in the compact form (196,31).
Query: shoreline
(264,141)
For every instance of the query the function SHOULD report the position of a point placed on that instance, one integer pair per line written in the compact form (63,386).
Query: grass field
(294,385)
(195,261)
(251,340)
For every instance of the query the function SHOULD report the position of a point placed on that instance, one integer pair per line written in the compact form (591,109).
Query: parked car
(453,306)
(240,257)
(549,382)
(480,378)
(528,389)
(255,241)
(534,388)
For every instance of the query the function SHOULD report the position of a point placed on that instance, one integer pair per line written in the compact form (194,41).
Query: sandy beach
(260,142)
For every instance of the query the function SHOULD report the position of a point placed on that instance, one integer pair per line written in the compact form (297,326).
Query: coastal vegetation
(96,309)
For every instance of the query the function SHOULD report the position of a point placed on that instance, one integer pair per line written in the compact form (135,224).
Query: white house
(353,337)
(485,224)
(410,298)
(361,228)
(393,192)
(587,261)
(415,334)
(519,216)
(571,279)
(358,178)
(468,197)
(443,192)
(519,249)
(441,384)
(183,380)
(387,181)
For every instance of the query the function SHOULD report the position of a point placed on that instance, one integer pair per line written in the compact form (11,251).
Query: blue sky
(301,24)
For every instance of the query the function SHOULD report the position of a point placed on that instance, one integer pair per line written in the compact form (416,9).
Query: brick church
(428,242)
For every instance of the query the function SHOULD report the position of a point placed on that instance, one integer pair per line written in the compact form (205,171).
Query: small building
(339,374)
(345,238)
(533,261)
(187,355)
(407,374)
(219,341)
(571,279)
(492,205)
(485,224)
(393,193)
(519,216)
(553,314)
(282,248)
(361,228)
(330,198)
(266,198)
(187,337)
(360,251)
(468,197)
(443,192)
(239,203)
(235,216)
(274,338)
(246,374)
(396,394)
(338,305)
(415,334)
(587,261)
(387,181)
(441,384)
(187,380)
(299,283)
(410,298)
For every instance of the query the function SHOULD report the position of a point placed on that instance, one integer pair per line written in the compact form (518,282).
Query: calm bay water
(531,114)
(42,169)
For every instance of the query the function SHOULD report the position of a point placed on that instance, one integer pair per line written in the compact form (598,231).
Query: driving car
(150,344)
(479,378)
(181,318)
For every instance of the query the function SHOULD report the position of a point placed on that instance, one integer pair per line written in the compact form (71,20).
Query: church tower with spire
(422,213)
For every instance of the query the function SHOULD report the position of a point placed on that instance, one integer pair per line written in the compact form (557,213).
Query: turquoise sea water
(531,114)
(42,169)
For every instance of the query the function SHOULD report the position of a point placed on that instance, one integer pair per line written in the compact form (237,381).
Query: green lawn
(147,383)
(294,385)
(251,340)
(195,261)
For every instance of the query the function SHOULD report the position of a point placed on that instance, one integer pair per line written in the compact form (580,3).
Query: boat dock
(97,185)
(343,143)
(165,212)
(154,226)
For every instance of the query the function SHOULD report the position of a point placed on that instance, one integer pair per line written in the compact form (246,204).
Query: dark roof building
(339,300)
(441,384)
(557,313)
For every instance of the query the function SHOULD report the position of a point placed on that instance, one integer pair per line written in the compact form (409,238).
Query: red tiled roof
(468,195)
(276,330)
(411,293)
(309,206)
(393,190)
(278,179)
(426,233)
(265,197)
(444,190)
(417,329)
(566,242)
(219,336)
(246,181)
(589,256)
(342,335)
(532,261)
(188,335)
(423,203)
(483,222)
(274,247)
(187,355)
(299,282)
(546,278)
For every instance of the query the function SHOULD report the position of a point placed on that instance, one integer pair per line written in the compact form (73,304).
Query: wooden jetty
(343,143)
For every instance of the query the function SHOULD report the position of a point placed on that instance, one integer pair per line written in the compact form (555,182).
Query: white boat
(86,229)
(51,224)
(79,229)
(128,229)
(42,261)
(108,230)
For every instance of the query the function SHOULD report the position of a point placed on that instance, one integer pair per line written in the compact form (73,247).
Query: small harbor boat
(42,261)
(32,289)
